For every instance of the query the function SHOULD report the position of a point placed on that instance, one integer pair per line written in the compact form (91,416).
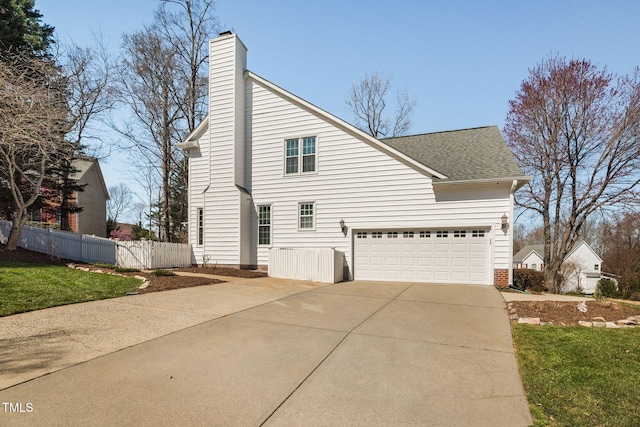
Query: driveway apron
(349,354)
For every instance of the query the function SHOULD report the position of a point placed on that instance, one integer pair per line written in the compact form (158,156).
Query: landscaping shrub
(607,288)
(127,270)
(163,273)
(105,265)
(528,280)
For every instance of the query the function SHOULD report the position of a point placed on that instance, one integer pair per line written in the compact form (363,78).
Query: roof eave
(520,181)
(192,140)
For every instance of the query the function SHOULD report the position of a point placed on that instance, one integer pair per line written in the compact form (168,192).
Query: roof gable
(83,165)
(528,250)
(583,246)
(341,124)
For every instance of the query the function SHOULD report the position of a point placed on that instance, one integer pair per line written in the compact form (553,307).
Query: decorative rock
(582,307)
(529,320)
(599,325)
(512,310)
(585,324)
(144,285)
(98,271)
(599,319)
(513,316)
(611,325)
(140,278)
(628,322)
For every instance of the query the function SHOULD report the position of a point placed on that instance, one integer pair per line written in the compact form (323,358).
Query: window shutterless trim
(300,155)
(199,226)
(264,225)
(307,214)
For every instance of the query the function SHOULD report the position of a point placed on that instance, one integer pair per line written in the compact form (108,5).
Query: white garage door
(437,256)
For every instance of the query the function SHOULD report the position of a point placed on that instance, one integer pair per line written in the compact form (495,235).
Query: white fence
(150,254)
(63,244)
(317,265)
(80,247)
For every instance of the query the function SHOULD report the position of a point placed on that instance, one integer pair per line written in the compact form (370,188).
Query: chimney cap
(225,33)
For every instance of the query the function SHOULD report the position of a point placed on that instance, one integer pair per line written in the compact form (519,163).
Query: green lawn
(577,376)
(32,286)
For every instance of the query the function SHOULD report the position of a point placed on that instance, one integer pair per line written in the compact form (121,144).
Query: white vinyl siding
(357,182)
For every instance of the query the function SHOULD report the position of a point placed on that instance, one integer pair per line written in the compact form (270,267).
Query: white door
(436,255)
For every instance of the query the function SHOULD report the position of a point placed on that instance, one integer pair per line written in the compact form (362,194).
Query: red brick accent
(501,278)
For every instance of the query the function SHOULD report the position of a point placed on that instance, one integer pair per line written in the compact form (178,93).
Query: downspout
(514,186)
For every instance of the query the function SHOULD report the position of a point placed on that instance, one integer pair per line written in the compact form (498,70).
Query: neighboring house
(268,169)
(93,200)
(531,257)
(581,268)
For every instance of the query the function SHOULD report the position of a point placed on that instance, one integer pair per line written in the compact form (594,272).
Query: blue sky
(462,60)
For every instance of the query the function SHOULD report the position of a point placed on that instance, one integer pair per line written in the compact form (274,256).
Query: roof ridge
(441,131)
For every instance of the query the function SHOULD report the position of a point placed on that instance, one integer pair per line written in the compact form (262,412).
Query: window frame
(199,226)
(300,155)
(262,226)
(312,216)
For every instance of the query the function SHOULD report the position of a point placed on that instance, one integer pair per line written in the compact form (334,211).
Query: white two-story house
(268,169)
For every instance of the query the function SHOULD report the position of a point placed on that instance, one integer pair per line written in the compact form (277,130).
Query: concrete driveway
(276,353)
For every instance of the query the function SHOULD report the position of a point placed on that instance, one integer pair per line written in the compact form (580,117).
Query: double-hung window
(306,216)
(264,225)
(300,155)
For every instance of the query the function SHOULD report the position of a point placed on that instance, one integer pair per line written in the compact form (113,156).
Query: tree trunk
(19,220)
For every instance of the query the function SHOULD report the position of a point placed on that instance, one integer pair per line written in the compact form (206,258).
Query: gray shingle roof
(526,250)
(467,154)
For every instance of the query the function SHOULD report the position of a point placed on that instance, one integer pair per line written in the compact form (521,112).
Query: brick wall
(501,278)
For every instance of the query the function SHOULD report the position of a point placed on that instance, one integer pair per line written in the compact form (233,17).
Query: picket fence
(149,254)
(323,265)
(91,249)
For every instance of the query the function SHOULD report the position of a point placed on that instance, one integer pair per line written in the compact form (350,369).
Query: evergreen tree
(22,31)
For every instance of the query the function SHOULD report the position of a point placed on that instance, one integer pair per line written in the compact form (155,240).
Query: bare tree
(188,32)
(575,129)
(119,203)
(368,101)
(163,82)
(33,121)
(89,88)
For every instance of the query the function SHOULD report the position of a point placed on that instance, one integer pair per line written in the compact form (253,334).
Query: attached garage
(460,255)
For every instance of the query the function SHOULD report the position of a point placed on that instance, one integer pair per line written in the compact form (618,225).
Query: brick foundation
(501,278)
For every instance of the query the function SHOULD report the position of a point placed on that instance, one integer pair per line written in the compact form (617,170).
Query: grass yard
(33,286)
(576,376)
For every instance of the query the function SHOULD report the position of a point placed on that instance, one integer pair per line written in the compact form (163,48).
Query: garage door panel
(459,262)
(442,262)
(442,256)
(459,247)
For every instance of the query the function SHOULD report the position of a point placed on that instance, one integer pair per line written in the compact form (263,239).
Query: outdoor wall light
(343,227)
(505,222)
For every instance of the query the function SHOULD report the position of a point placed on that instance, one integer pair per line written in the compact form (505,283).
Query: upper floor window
(300,155)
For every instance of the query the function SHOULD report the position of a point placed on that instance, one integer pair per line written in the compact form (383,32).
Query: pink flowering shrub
(121,235)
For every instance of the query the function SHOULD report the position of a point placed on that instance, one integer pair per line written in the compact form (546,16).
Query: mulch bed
(567,313)
(222,271)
